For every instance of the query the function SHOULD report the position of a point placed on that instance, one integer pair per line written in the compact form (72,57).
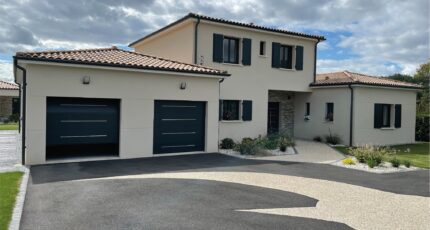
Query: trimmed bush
(407,163)
(348,161)
(422,128)
(317,139)
(227,143)
(395,162)
(248,146)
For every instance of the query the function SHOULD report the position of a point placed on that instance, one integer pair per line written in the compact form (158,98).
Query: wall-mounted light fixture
(86,80)
(183,85)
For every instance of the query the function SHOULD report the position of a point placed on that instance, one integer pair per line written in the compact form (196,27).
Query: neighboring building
(9,100)
(113,103)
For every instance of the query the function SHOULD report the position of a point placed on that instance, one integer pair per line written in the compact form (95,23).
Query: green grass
(9,126)
(9,186)
(418,154)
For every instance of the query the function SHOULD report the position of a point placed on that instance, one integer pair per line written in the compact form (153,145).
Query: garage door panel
(82,125)
(179,126)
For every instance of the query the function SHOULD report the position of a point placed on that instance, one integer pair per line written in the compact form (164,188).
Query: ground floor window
(230,110)
(329,111)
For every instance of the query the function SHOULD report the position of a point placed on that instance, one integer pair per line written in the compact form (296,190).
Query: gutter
(315,60)
(23,87)
(219,98)
(196,30)
(351,114)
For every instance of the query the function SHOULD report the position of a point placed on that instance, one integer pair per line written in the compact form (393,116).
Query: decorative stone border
(384,167)
(20,198)
(271,153)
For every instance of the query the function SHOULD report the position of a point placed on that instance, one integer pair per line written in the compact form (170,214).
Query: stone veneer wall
(5,107)
(286,110)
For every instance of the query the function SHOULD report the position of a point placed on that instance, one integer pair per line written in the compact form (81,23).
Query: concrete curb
(20,198)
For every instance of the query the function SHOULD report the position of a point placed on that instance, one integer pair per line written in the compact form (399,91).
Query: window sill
(327,121)
(231,121)
(387,128)
(283,69)
(232,64)
(262,56)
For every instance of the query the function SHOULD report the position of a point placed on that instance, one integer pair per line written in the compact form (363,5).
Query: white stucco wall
(364,131)
(317,126)
(175,44)
(246,82)
(136,90)
(363,115)
(254,82)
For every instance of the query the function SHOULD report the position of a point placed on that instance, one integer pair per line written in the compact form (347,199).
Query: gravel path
(8,148)
(337,202)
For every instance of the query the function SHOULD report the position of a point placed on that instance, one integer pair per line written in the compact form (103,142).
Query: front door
(273,118)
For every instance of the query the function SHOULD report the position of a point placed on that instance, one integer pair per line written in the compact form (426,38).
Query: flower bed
(384,167)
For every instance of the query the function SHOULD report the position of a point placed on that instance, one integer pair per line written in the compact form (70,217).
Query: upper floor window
(329,111)
(286,55)
(262,48)
(231,50)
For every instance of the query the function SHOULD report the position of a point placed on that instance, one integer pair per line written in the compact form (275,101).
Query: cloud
(6,69)
(388,35)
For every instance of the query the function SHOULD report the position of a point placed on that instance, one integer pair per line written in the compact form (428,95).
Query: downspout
(219,98)
(315,60)
(351,116)
(23,111)
(196,30)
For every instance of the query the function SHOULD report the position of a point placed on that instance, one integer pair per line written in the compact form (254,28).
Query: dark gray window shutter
(299,57)
(398,116)
(276,58)
(218,47)
(220,110)
(246,51)
(247,110)
(377,119)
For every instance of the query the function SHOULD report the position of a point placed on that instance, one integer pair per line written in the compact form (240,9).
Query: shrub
(369,154)
(318,139)
(227,143)
(248,146)
(284,143)
(348,161)
(13,118)
(395,162)
(371,163)
(332,139)
(422,128)
(270,142)
(407,163)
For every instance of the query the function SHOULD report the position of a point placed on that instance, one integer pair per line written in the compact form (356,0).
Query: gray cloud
(394,31)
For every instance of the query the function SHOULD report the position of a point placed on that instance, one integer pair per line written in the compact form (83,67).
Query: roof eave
(313,85)
(196,16)
(222,74)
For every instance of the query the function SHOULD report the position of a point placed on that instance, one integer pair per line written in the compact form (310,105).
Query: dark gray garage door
(81,127)
(179,126)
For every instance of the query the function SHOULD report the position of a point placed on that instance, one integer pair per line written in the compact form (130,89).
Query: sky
(377,37)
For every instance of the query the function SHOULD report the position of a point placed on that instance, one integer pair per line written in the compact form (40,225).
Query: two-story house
(193,83)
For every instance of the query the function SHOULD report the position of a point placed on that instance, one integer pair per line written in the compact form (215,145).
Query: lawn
(418,153)
(9,186)
(9,126)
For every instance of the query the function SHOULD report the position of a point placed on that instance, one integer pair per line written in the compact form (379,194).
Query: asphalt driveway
(207,191)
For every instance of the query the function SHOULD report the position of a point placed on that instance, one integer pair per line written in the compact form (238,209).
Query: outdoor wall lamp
(183,85)
(86,80)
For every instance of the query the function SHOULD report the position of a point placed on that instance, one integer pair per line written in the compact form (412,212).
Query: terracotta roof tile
(117,58)
(8,85)
(234,23)
(347,77)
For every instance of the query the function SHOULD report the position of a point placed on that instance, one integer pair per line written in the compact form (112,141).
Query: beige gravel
(356,206)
